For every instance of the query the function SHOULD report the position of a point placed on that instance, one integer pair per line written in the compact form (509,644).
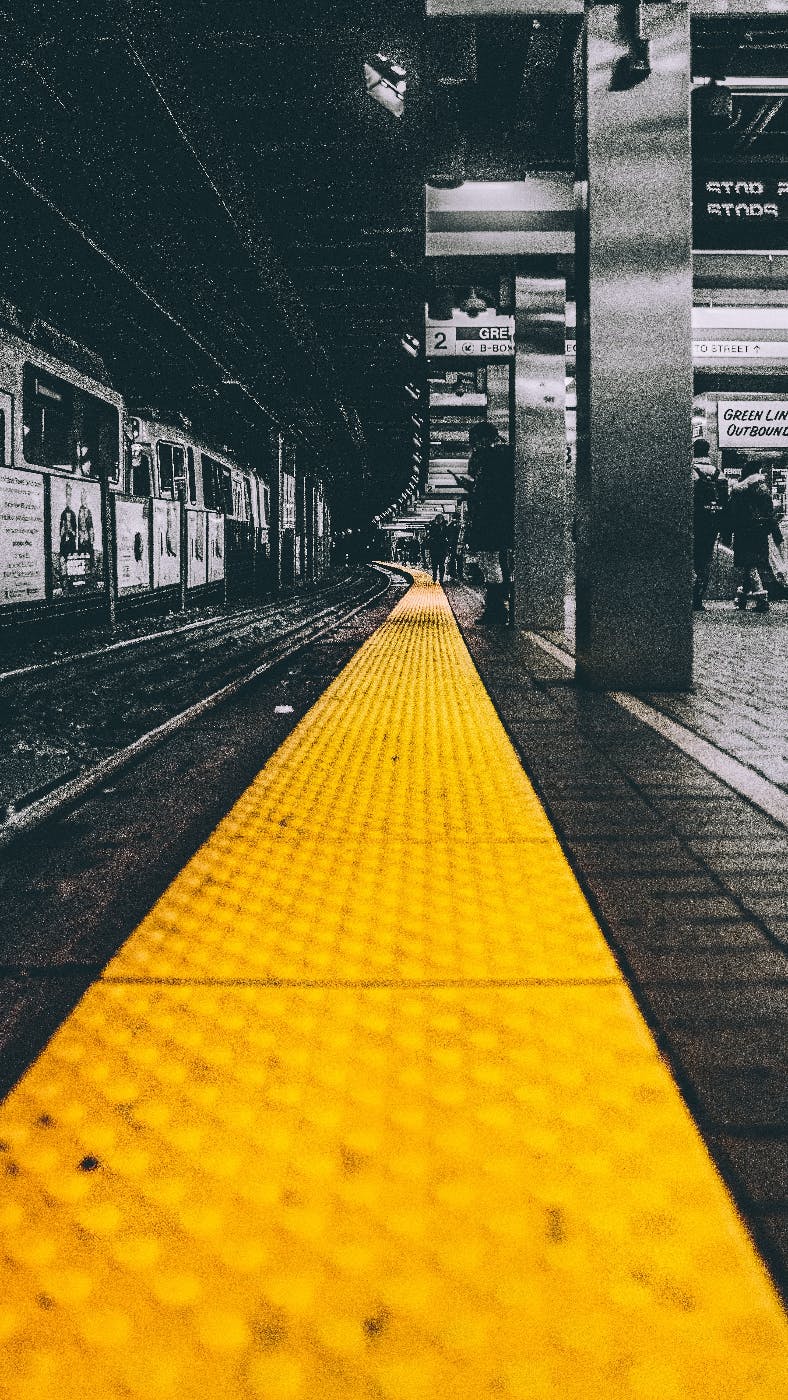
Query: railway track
(70,725)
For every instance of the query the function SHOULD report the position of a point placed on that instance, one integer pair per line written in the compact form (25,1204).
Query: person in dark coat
(490,532)
(751,521)
(709,501)
(438,546)
(453,537)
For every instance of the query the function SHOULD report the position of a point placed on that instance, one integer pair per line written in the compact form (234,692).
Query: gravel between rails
(68,724)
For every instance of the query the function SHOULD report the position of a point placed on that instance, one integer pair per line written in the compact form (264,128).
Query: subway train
(107,507)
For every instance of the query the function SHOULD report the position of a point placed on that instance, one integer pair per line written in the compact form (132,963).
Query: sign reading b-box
(753,423)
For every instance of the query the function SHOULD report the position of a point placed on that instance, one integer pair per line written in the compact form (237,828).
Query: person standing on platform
(709,501)
(751,521)
(453,536)
(438,545)
(490,532)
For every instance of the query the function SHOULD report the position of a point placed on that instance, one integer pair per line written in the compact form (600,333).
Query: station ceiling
(202,189)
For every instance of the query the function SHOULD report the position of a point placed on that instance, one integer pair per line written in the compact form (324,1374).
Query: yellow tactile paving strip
(364,1109)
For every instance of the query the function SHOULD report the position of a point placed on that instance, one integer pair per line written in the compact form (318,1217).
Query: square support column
(539,453)
(634,362)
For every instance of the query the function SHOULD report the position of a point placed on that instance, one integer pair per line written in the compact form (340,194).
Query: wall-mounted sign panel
(76,536)
(753,423)
(132,544)
(197,543)
(166,543)
(493,339)
(287,504)
(215,542)
(738,209)
(21,537)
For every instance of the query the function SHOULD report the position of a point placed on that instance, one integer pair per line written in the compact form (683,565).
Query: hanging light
(386,82)
(473,303)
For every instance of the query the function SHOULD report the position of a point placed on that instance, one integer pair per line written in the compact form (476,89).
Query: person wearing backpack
(709,502)
(751,521)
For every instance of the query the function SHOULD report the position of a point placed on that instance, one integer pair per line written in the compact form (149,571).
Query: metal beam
(755,9)
(492,9)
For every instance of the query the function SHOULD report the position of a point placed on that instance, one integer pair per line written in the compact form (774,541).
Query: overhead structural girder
(473,9)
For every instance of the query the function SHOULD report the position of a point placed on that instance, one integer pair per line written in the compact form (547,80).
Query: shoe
(762,605)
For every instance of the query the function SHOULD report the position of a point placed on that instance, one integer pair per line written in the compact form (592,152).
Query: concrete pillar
(539,452)
(634,361)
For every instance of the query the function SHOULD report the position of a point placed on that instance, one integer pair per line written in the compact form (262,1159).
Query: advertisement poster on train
(166,543)
(22,568)
(288,501)
(77,537)
(197,562)
(132,534)
(215,547)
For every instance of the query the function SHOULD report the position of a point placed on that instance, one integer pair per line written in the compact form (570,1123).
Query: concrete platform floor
(688,877)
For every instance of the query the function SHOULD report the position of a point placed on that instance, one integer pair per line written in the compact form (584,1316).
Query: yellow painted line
(441,1160)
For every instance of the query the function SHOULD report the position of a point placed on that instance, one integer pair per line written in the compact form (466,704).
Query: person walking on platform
(751,521)
(490,532)
(438,545)
(709,501)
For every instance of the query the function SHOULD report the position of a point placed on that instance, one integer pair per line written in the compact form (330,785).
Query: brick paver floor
(740,697)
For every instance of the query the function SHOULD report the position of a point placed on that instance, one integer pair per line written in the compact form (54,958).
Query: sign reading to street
(740,349)
(753,423)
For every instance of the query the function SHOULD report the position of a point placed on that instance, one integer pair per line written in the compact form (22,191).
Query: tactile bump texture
(364,1109)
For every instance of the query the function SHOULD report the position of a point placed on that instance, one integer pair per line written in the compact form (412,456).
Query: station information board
(753,423)
(740,209)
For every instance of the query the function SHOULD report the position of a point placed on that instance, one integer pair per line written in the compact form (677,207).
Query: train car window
(248,510)
(217,485)
(172,468)
(192,475)
(226,483)
(141,474)
(95,437)
(179,470)
(266,506)
(208,482)
(165,469)
(47,415)
(66,427)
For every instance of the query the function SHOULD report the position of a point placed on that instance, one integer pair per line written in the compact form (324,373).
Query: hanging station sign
(753,423)
(740,210)
(488,339)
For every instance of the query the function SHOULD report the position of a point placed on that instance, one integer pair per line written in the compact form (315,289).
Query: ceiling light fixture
(473,303)
(386,81)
